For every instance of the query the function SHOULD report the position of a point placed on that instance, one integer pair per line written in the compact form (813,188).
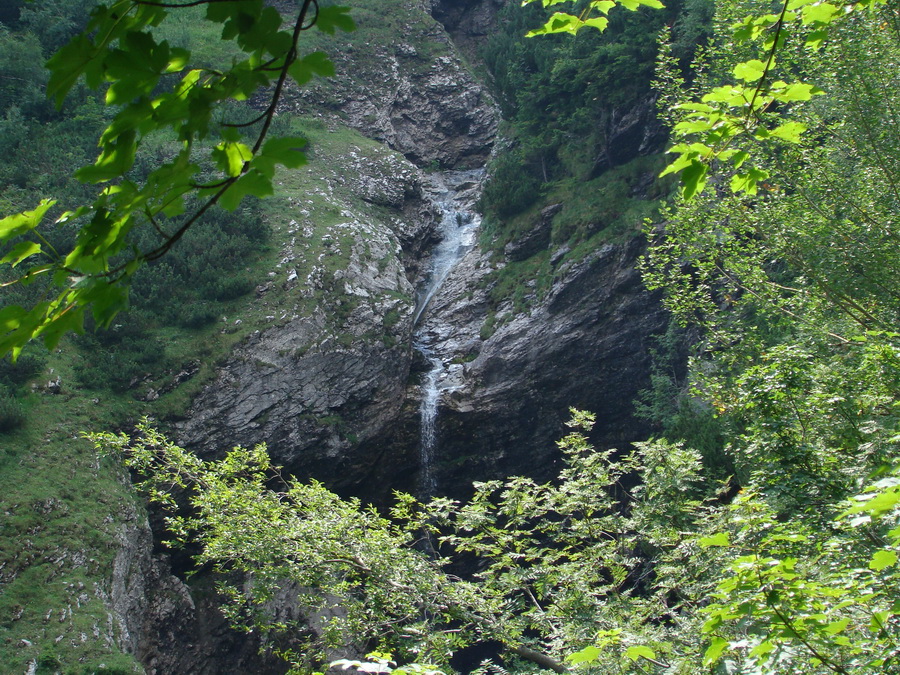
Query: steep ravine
(455,193)
(336,392)
(320,386)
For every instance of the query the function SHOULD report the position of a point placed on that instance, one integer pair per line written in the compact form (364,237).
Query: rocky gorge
(347,413)
(334,378)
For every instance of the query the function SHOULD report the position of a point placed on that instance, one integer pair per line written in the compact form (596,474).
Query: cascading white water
(458,230)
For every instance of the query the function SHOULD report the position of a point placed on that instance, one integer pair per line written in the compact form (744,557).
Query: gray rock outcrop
(156,617)
(319,383)
(417,96)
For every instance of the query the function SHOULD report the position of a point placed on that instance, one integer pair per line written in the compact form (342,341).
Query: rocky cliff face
(321,387)
(168,628)
(506,395)
(586,344)
(317,384)
(335,392)
(417,95)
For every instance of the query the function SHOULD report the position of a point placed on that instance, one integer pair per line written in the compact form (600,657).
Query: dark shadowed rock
(167,626)
(585,345)
(469,22)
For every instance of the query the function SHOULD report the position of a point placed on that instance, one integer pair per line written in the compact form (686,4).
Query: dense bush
(117,358)
(12,412)
(512,188)
(28,365)
(564,100)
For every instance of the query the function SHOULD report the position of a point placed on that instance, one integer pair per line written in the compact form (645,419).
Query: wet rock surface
(585,345)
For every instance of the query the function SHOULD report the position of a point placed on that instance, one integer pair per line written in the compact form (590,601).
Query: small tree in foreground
(593,570)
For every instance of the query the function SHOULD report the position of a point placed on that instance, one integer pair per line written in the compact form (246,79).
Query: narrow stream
(452,192)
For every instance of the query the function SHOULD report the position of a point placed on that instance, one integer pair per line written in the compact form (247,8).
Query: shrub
(28,366)
(12,413)
(198,316)
(511,188)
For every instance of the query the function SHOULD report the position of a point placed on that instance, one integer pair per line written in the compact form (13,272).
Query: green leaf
(720,539)
(220,12)
(739,158)
(69,319)
(603,6)
(789,131)
(837,627)
(688,154)
(815,39)
(821,12)
(230,157)
(11,316)
(693,179)
(320,64)
(21,325)
(251,183)
(317,63)
(882,560)
(639,652)
(21,251)
(286,151)
(879,619)
(733,95)
(878,503)
(334,18)
(750,71)
(747,182)
(796,92)
(716,646)
(695,107)
(178,60)
(599,22)
(763,648)
(116,158)
(560,22)
(67,65)
(586,655)
(20,223)
(693,126)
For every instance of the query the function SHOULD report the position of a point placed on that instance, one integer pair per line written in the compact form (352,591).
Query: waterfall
(453,194)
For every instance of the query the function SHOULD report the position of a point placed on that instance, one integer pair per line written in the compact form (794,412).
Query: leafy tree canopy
(153,90)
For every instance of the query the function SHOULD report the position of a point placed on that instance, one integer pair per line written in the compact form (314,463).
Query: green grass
(60,507)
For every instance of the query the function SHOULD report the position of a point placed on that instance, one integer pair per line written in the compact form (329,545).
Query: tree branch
(539,658)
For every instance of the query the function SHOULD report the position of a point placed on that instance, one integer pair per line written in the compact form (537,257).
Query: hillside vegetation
(235,273)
